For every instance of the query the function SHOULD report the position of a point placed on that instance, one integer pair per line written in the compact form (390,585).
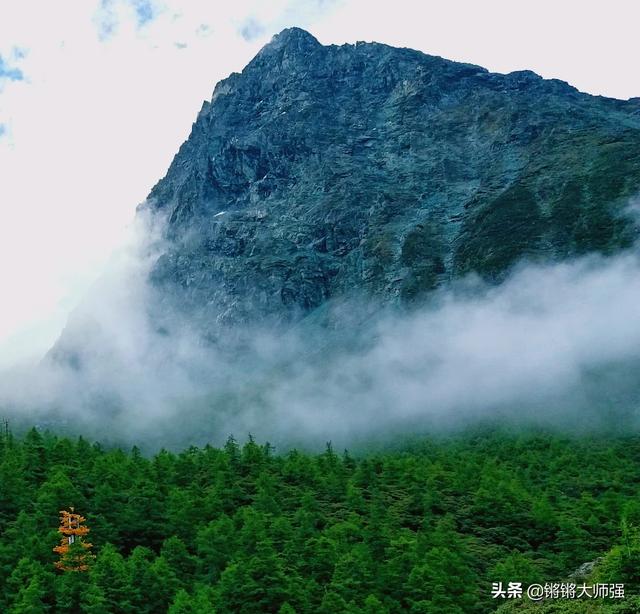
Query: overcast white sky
(97,95)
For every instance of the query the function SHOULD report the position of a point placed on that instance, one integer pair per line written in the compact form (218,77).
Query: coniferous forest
(423,527)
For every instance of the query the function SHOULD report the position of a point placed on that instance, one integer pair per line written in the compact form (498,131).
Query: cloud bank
(553,346)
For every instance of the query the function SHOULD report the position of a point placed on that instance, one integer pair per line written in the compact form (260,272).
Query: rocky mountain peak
(289,42)
(321,171)
(294,38)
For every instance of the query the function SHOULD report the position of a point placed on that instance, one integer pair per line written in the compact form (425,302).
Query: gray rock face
(584,571)
(324,170)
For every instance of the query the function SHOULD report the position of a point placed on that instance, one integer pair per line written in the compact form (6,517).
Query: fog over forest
(554,345)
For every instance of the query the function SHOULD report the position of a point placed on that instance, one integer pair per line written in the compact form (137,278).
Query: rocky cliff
(323,170)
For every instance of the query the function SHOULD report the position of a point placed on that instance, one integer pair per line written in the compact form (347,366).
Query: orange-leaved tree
(75,552)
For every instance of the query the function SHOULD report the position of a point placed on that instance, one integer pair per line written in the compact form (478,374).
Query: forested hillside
(422,528)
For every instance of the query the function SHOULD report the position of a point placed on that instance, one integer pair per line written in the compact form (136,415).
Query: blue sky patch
(106,17)
(9,72)
(144,11)
(251,29)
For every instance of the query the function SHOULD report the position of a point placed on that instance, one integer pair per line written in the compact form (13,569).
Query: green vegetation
(571,200)
(501,233)
(242,529)
(422,252)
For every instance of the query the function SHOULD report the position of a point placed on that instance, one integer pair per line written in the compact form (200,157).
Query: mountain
(324,170)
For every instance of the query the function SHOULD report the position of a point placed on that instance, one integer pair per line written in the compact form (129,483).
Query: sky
(96,96)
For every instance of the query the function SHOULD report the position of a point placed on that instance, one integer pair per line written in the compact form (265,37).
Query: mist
(555,346)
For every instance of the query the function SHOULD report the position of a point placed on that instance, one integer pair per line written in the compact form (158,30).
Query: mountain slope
(324,170)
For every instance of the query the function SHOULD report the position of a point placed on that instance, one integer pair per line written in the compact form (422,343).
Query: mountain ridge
(320,172)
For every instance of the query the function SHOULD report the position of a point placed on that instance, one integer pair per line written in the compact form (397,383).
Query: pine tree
(162,585)
(182,564)
(109,573)
(30,599)
(94,601)
(73,549)
(198,603)
(332,603)
(258,584)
